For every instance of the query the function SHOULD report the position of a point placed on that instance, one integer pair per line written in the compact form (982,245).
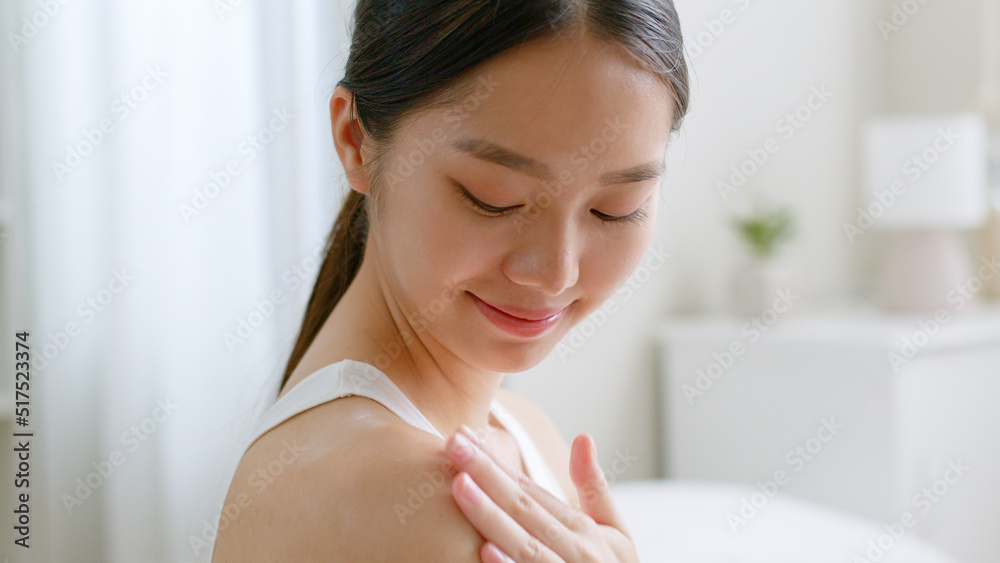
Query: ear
(349,147)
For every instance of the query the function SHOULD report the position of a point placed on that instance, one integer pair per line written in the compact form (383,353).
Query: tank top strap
(342,379)
(351,377)
(538,468)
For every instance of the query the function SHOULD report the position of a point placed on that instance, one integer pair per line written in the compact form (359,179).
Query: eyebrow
(492,152)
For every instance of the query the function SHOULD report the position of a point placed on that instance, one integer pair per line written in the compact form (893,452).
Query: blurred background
(167,180)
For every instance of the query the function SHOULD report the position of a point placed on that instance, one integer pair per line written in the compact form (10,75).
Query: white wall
(934,58)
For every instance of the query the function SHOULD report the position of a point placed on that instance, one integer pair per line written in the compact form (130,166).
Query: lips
(533,323)
(525,314)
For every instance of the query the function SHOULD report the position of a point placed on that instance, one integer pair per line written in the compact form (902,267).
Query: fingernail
(461,447)
(470,489)
(471,434)
(499,555)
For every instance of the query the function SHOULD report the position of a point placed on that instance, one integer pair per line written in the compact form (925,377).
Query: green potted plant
(761,275)
(764,229)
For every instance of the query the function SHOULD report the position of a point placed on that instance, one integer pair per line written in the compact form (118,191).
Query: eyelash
(637,216)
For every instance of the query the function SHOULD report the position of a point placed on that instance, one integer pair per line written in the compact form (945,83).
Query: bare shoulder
(380,491)
(546,436)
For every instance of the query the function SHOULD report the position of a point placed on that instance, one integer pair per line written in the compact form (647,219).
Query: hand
(522,522)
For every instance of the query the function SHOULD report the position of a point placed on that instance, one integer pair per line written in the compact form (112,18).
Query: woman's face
(562,136)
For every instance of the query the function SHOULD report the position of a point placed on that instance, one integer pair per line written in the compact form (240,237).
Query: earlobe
(347,144)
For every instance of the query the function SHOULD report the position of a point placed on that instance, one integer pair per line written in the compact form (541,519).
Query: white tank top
(351,377)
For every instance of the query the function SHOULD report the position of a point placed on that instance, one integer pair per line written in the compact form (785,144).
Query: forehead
(559,102)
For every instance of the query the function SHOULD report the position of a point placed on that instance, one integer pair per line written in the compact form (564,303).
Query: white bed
(679,521)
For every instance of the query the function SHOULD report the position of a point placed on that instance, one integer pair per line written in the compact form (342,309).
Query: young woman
(504,160)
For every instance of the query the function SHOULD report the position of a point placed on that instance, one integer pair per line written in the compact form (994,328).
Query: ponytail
(345,248)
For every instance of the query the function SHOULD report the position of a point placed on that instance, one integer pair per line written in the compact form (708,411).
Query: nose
(547,255)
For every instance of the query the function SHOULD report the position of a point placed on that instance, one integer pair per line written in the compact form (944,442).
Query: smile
(516,325)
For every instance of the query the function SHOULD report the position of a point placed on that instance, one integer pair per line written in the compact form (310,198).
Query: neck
(446,389)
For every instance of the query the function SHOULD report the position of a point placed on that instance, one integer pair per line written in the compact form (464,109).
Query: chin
(490,349)
(515,365)
(508,357)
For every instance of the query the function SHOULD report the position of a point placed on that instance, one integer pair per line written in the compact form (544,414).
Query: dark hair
(414,54)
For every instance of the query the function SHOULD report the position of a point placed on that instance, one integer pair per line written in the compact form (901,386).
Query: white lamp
(926,180)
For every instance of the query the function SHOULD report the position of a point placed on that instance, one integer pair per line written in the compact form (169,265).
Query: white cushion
(681,521)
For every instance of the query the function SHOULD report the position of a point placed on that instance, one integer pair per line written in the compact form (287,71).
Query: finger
(562,511)
(493,554)
(513,494)
(592,486)
(568,516)
(496,525)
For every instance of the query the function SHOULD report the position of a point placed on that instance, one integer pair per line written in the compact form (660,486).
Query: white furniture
(820,404)
(686,522)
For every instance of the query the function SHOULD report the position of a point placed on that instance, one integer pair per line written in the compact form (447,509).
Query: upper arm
(389,501)
(408,499)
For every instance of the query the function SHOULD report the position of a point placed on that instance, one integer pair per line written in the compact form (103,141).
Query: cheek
(609,263)
(434,246)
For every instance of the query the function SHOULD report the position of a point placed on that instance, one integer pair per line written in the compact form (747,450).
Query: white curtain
(178,179)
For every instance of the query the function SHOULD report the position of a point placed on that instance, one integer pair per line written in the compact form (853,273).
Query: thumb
(591,485)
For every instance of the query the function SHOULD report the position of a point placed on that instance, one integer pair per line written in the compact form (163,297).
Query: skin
(549,101)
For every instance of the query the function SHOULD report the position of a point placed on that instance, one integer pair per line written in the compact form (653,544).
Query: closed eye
(489,209)
(636,217)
